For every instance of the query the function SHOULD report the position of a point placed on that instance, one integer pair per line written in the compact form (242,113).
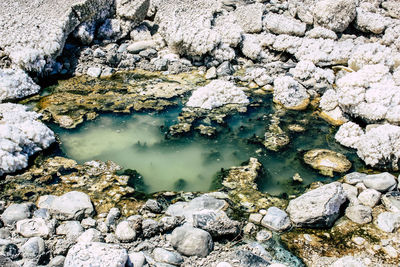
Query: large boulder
(21,135)
(96,254)
(191,241)
(318,207)
(335,15)
(73,205)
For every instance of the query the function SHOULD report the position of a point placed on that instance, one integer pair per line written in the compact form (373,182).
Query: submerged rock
(318,207)
(327,161)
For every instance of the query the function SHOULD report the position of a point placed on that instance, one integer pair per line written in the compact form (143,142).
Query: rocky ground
(339,58)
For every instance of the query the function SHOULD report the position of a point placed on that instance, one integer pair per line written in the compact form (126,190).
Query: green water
(138,141)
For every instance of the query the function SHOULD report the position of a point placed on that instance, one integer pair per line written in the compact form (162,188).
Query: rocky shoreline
(340,59)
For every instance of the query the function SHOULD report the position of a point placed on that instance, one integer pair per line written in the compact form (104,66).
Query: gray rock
(255,218)
(150,227)
(112,217)
(102,226)
(369,197)
(140,33)
(359,214)
(4,233)
(169,223)
(160,64)
(85,32)
(34,248)
(317,208)
(191,241)
(215,223)
(124,232)
(225,69)
(9,250)
(163,255)
(90,235)
(73,205)
(348,261)
(249,259)
(94,72)
(88,223)
(136,259)
(33,227)
(187,209)
(96,254)
(354,177)
(136,222)
(263,235)
(153,206)
(107,73)
(71,229)
(138,46)
(113,30)
(351,193)
(391,201)
(16,212)
(335,15)
(249,17)
(381,182)
(388,221)
(57,261)
(62,246)
(42,213)
(276,220)
(211,73)
(134,10)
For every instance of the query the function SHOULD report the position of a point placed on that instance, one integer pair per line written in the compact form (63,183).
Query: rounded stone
(327,161)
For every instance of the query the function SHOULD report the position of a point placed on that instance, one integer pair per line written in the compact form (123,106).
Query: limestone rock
(317,208)
(381,182)
(276,220)
(359,214)
(388,221)
(124,232)
(17,212)
(135,10)
(369,197)
(192,241)
(391,201)
(72,205)
(96,254)
(335,15)
(369,21)
(163,255)
(249,17)
(281,24)
(289,93)
(35,227)
(217,223)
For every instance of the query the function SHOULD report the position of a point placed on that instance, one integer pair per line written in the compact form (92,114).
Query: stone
(9,250)
(255,218)
(90,235)
(276,220)
(370,22)
(73,205)
(391,201)
(327,161)
(138,46)
(225,69)
(351,193)
(249,17)
(140,33)
(150,227)
(135,10)
(34,248)
(317,208)
(191,241)
(136,259)
(112,217)
(249,259)
(224,264)
(290,94)
(88,223)
(94,72)
(85,32)
(216,223)
(281,24)
(70,229)
(354,177)
(263,235)
(124,232)
(169,223)
(163,255)
(359,214)
(36,227)
(96,254)
(57,261)
(369,197)
(381,182)
(211,73)
(216,94)
(42,213)
(153,206)
(15,84)
(17,212)
(349,261)
(335,15)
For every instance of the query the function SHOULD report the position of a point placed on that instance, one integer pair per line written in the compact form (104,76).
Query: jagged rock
(21,135)
(153,206)
(276,220)
(391,201)
(16,84)
(85,32)
(249,17)
(150,227)
(17,212)
(327,161)
(359,214)
(217,223)
(388,221)
(335,15)
(169,257)
(112,217)
(369,21)
(281,24)
(72,205)
(318,207)
(124,232)
(251,46)
(217,93)
(191,241)
(95,253)
(381,182)
(289,93)
(135,10)
(36,227)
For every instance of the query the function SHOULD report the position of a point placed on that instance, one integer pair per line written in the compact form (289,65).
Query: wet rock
(381,182)
(290,94)
(132,10)
(318,207)
(391,201)
(71,229)
(36,227)
(263,235)
(370,197)
(215,223)
(275,138)
(124,232)
(163,255)
(17,212)
(359,214)
(281,24)
(327,161)
(388,221)
(153,206)
(276,220)
(34,248)
(95,253)
(90,235)
(335,15)
(72,205)
(191,241)
(249,17)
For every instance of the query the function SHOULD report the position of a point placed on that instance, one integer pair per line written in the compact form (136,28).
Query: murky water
(189,163)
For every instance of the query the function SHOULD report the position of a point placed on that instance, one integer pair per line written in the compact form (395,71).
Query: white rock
(217,93)
(289,93)
(349,134)
(348,261)
(313,77)
(281,24)
(276,220)
(124,232)
(388,221)
(382,182)
(369,22)
(94,72)
(369,54)
(192,241)
(369,197)
(16,212)
(16,84)
(359,214)
(90,235)
(35,227)
(335,15)
(249,17)
(320,32)
(134,10)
